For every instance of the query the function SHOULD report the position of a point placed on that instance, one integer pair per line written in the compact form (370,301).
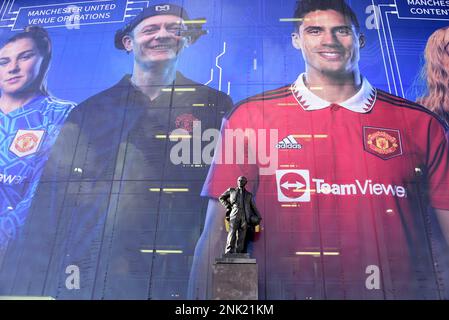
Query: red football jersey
(343,191)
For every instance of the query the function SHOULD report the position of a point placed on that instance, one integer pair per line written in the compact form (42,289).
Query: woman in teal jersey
(30,120)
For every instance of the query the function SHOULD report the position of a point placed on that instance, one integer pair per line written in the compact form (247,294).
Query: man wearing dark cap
(156,37)
(118,198)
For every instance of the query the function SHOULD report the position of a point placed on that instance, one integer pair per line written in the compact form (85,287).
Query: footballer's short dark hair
(303,7)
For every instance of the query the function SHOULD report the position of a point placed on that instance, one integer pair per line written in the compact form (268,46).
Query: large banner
(124,126)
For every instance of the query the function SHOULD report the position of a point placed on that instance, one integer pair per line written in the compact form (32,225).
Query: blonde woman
(436,74)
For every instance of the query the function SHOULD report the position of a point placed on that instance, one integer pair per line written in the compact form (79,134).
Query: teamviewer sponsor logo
(10,179)
(294,186)
(288,143)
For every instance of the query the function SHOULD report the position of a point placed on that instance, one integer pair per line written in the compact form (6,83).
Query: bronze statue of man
(241,212)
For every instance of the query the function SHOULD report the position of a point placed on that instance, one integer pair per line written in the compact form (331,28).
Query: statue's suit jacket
(229,199)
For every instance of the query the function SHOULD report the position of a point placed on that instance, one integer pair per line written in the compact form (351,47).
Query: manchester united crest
(26,142)
(185,121)
(384,143)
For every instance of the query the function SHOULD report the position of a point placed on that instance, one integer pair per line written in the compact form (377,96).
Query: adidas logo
(288,143)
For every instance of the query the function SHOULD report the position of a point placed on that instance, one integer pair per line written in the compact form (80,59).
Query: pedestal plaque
(235,278)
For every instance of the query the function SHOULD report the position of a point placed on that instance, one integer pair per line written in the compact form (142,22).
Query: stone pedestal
(235,278)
